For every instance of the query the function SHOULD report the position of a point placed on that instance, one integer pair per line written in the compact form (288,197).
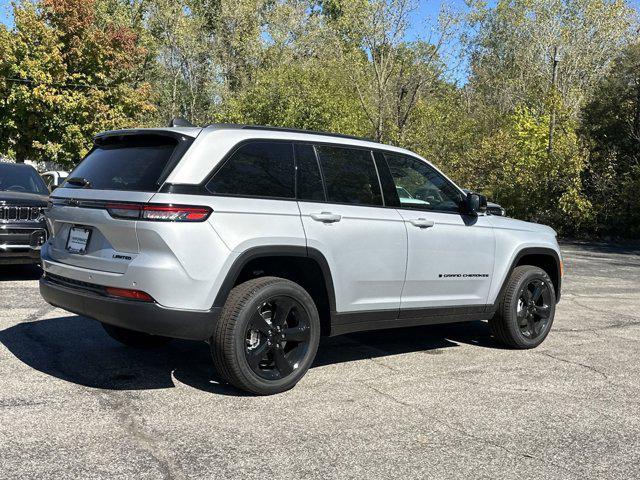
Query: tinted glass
(419,186)
(308,180)
(389,191)
(21,178)
(350,176)
(257,169)
(126,163)
(48,179)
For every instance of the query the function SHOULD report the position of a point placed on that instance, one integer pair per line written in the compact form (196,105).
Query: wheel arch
(306,266)
(545,258)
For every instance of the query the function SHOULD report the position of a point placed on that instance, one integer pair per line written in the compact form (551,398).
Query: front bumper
(20,242)
(148,317)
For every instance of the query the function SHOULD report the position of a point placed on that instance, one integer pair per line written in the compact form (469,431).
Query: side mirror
(474,203)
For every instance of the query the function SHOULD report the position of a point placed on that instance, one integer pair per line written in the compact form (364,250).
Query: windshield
(21,178)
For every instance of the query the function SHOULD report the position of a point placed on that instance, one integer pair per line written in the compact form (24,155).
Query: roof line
(284,129)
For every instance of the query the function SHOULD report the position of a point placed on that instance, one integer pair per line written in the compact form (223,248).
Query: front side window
(420,187)
(350,176)
(257,169)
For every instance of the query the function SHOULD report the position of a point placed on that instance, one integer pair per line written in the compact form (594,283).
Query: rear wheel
(526,310)
(134,339)
(267,335)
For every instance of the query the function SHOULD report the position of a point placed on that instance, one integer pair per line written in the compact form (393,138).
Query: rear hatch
(91,215)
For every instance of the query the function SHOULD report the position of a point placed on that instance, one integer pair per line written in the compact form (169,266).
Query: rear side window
(127,163)
(308,180)
(350,176)
(257,169)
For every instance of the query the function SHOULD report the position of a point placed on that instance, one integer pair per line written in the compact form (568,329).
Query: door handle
(326,217)
(422,222)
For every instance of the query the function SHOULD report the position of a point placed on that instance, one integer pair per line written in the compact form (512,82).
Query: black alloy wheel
(277,337)
(534,308)
(267,335)
(526,308)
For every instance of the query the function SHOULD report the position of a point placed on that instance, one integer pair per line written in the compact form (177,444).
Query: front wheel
(267,335)
(526,310)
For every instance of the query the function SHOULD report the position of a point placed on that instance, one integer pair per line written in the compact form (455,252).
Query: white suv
(259,240)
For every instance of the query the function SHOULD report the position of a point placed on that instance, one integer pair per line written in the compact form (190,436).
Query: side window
(419,186)
(257,169)
(308,179)
(350,176)
(386,180)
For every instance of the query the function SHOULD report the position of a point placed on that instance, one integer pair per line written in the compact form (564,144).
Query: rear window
(127,163)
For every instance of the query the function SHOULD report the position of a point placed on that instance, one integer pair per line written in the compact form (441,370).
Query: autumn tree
(69,69)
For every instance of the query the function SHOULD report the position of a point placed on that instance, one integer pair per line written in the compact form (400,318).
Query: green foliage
(512,50)
(297,96)
(71,68)
(611,127)
(531,183)
(68,71)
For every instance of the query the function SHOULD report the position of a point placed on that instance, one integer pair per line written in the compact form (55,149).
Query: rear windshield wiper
(79,181)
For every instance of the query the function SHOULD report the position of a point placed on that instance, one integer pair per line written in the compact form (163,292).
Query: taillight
(158,213)
(124,210)
(170,213)
(130,294)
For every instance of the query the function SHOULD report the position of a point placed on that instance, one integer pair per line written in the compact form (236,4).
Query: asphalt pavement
(427,402)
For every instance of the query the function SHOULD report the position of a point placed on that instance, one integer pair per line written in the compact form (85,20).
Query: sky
(5,12)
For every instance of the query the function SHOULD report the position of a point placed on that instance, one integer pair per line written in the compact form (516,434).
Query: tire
(525,314)
(134,339)
(267,336)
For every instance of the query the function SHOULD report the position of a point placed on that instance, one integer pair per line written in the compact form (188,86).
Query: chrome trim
(7,246)
(20,213)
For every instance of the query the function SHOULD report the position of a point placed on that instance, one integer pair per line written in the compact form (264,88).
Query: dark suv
(23,230)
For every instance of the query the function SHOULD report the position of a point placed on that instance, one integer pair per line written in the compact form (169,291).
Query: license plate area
(78,240)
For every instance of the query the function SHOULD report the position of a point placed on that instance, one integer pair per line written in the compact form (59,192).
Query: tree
(388,74)
(611,128)
(69,71)
(185,74)
(308,95)
(512,49)
(532,184)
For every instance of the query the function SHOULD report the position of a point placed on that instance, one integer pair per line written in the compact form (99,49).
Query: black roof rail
(225,125)
(311,132)
(284,129)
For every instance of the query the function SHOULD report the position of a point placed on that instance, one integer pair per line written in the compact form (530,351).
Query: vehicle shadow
(77,350)
(12,273)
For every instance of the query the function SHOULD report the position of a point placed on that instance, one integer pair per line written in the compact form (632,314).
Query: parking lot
(428,402)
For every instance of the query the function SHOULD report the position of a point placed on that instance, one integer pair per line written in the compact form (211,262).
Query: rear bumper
(144,317)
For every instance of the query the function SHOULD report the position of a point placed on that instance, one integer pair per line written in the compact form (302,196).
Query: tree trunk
(636,120)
